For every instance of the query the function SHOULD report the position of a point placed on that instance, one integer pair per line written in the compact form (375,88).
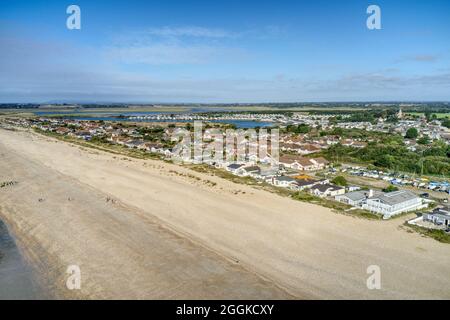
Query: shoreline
(18,278)
(305,248)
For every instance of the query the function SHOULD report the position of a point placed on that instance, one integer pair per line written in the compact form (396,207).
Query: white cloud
(419,58)
(172,53)
(190,31)
(173,45)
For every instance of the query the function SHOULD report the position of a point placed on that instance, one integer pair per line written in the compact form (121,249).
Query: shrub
(340,181)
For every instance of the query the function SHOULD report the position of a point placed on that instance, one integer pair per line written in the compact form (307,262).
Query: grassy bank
(203,168)
(104,146)
(439,235)
(298,196)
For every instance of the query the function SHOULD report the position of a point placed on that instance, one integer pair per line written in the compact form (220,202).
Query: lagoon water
(16,279)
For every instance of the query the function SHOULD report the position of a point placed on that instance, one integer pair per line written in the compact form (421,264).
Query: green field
(439,115)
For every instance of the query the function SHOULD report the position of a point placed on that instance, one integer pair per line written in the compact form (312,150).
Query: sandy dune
(224,244)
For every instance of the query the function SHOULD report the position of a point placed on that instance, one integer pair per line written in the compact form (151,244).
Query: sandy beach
(168,235)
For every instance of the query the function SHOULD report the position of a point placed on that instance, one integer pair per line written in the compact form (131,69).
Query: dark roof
(235,166)
(326,186)
(302,182)
(443,211)
(135,143)
(285,178)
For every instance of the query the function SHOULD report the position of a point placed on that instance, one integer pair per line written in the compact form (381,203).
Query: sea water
(16,278)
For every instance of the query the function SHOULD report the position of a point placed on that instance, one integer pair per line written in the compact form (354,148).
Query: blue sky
(224,51)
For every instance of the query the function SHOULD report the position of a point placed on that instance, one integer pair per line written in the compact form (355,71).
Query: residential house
(290,147)
(284,181)
(353,143)
(308,149)
(62,130)
(301,163)
(288,161)
(295,162)
(134,144)
(439,216)
(251,171)
(292,139)
(302,184)
(357,198)
(305,164)
(151,146)
(268,174)
(332,140)
(234,167)
(85,135)
(326,190)
(320,163)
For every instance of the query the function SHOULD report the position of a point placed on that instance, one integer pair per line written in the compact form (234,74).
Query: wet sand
(16,277)
(168,235)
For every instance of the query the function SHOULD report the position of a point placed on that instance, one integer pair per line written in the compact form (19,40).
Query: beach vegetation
(438,235)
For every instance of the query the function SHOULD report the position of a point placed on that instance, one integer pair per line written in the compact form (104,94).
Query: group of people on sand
(7,184)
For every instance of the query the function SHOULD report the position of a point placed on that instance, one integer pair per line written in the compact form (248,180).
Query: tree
(424,140)
(384,161)
(303,128)
(333,120)
(390,188)
(435,152)
(337,131)
(446,122)
(340,181)
(412,133)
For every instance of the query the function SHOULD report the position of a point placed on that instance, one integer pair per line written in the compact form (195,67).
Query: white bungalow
(394,203)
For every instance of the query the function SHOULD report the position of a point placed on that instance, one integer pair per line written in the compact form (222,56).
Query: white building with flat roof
(393,203)
(387,204)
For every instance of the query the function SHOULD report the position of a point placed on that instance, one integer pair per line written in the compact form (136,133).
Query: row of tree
(434,160)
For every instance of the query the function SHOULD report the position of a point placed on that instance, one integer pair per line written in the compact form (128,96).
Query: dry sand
(174,236)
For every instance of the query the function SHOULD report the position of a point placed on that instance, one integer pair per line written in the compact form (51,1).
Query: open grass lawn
(439,115)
